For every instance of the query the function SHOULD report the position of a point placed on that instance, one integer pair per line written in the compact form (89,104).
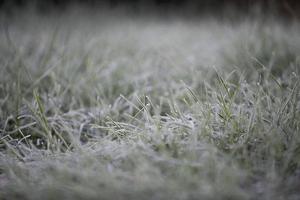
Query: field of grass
(97,107)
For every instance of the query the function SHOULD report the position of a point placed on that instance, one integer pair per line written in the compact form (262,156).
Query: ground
(110,106)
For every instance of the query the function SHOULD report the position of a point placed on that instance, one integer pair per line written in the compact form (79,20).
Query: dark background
(284,8)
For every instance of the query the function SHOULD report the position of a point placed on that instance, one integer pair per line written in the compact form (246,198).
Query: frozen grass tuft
(149,109)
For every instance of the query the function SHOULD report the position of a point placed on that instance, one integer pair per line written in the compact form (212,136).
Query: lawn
(115,106)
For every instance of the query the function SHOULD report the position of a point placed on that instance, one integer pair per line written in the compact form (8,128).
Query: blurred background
(283,8)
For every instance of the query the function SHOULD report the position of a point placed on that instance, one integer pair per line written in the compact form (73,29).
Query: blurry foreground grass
(93,108)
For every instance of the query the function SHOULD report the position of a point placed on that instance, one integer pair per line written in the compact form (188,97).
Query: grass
(109,108)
